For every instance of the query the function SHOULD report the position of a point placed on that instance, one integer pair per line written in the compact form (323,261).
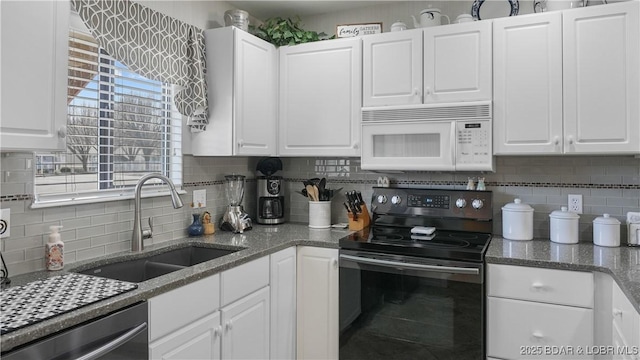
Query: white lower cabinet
(199,340)
(317,287)
(226,316)
(625,329)
(283,304)
(538,313)
(246,327)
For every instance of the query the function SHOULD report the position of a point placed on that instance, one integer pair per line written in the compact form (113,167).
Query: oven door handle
(396,264)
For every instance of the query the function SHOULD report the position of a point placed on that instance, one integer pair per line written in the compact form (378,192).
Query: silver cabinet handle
(108,347)
(422,267)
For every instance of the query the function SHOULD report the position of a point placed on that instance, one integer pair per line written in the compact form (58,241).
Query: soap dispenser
(54,250)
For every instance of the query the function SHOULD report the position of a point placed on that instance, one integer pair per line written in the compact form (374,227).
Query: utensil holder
(362,220)
(319,214)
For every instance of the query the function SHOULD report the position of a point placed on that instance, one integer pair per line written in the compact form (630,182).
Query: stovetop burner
(463,222)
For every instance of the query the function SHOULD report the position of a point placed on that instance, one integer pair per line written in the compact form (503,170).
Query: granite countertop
(255,243)
(622,263)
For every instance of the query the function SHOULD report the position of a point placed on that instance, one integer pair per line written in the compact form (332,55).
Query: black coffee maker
(270,192)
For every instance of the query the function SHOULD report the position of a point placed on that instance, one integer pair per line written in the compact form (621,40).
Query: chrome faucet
(137,243)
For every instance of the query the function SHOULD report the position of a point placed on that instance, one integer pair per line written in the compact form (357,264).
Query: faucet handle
(148,233)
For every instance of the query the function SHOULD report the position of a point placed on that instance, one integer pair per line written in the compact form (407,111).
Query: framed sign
(351,30)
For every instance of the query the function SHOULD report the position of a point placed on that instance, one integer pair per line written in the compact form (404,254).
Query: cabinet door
(527,80)
(318,315)
(392,68)
(457,62)
(513,325)
(196,300)
(601,79)
(255,95)
(246,327)
(626,320)
(199,340)
(34,74)
(320,98)
(283,304)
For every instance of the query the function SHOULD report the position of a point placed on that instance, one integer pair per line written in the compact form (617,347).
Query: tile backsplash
(608,184)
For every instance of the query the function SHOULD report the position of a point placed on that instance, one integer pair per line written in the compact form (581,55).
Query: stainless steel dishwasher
(120,335)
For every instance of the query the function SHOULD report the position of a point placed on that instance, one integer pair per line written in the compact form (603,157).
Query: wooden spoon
(312,192)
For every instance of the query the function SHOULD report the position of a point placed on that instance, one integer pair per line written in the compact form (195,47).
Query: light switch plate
(5,220)
(200,198)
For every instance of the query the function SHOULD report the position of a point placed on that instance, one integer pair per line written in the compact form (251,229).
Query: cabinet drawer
(626,320)
(243,280)
(179,307)
(543,285)
(515,326)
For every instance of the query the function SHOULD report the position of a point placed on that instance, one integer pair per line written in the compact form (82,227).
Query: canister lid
(605,219)
(517,205)
(429,10)
(564,213)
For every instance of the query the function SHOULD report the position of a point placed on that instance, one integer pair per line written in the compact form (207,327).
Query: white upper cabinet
(438,64)
(242,95)
(457,62)
(392,68)
(320,98)
(33,107)
(568,82)
(527,70)
(601,79)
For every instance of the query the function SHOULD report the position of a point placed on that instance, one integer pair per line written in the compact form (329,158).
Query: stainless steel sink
(149,267)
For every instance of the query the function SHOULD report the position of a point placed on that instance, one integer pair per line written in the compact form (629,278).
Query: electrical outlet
(575,203)
(200,198)
(5,220)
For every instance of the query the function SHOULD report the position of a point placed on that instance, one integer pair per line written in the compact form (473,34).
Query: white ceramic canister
(564,226)
(398,26)
(606,231)
(517,221)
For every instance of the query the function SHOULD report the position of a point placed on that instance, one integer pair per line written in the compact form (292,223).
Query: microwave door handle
(420,267)
(115,343)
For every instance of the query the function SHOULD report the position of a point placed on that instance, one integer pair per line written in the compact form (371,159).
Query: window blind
(120,126)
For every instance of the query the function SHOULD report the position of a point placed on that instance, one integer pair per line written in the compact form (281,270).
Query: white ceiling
(266,9)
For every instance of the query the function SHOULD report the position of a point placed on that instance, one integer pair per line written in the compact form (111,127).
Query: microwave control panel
(474,149)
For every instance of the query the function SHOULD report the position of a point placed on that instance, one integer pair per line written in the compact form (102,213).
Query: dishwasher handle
(115,343)
(409,266)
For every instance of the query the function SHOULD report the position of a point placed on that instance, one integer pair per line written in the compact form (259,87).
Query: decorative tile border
(29,197)
(447,183)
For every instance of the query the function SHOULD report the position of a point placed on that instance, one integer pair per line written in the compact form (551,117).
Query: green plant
(280,31)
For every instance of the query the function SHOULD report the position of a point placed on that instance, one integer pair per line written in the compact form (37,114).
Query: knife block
(362,220)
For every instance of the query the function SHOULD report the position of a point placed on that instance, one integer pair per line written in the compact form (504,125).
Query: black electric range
(462,220)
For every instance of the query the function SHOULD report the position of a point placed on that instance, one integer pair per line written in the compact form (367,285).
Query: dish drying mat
(43,299)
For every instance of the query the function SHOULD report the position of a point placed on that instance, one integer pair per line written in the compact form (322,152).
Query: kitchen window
(120,126)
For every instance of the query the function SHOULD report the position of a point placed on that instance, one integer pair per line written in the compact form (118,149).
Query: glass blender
(235,219)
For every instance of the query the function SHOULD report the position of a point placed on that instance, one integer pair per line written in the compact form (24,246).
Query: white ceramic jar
(606,231)
(517,221)
(563,226)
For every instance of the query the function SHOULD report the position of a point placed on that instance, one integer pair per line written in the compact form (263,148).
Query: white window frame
(152,188)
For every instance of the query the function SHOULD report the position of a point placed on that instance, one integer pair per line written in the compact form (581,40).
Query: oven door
(414,145)
(396,306)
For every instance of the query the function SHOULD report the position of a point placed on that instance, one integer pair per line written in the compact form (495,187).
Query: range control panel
(468,204)
(428,201)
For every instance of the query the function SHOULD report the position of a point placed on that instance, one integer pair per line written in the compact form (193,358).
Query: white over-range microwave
(433,137)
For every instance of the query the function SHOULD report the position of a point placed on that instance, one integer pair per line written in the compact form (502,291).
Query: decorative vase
(196,228)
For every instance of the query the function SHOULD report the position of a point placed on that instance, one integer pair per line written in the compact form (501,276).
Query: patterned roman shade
(155,46)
